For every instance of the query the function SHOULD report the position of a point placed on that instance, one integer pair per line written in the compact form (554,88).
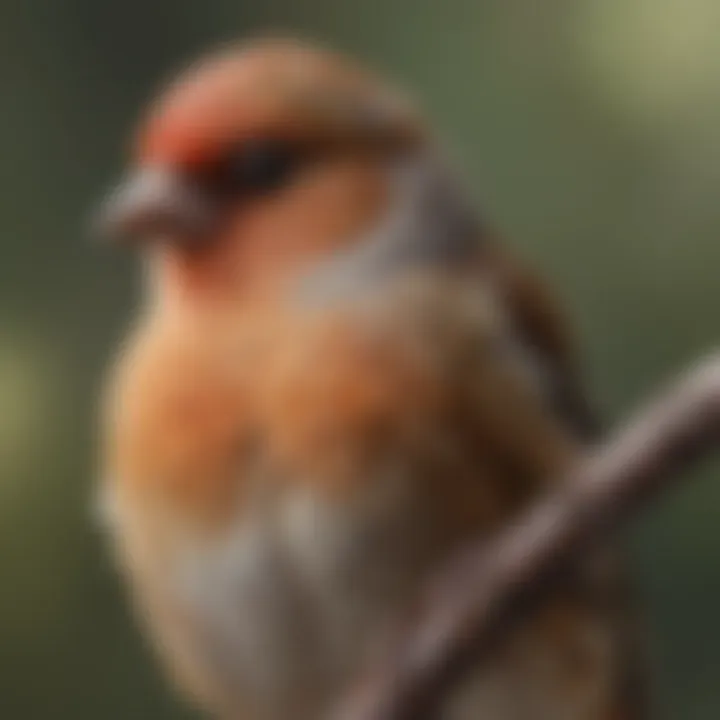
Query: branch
(483,592)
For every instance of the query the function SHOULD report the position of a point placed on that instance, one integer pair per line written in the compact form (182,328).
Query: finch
(337,377)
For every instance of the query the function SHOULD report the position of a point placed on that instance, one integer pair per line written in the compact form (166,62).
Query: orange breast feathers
(320,397)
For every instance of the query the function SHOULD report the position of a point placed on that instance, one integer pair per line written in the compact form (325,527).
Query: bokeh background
(590,133)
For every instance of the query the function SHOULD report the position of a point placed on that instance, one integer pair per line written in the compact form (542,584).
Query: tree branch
(484,591)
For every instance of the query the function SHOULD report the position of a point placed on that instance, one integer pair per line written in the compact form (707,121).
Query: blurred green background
(590,131)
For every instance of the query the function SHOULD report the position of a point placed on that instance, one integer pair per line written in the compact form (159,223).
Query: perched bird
(338,377)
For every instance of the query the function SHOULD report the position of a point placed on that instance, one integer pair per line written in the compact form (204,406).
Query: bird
(338,375)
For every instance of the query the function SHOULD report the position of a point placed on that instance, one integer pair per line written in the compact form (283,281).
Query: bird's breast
(268,528)
(281,499)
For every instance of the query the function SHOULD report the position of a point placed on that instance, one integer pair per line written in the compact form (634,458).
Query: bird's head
(257,162)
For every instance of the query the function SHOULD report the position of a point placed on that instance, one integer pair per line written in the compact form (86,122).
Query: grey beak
(154,201)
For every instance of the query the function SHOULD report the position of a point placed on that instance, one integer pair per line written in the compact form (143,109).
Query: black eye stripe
(263,165)
(258,166)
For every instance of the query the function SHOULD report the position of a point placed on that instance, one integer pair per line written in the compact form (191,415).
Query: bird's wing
(542,328)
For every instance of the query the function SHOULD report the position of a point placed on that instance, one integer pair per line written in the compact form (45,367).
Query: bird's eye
(260,166)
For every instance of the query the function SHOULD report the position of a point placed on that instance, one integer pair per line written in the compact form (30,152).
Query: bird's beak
(154,202)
